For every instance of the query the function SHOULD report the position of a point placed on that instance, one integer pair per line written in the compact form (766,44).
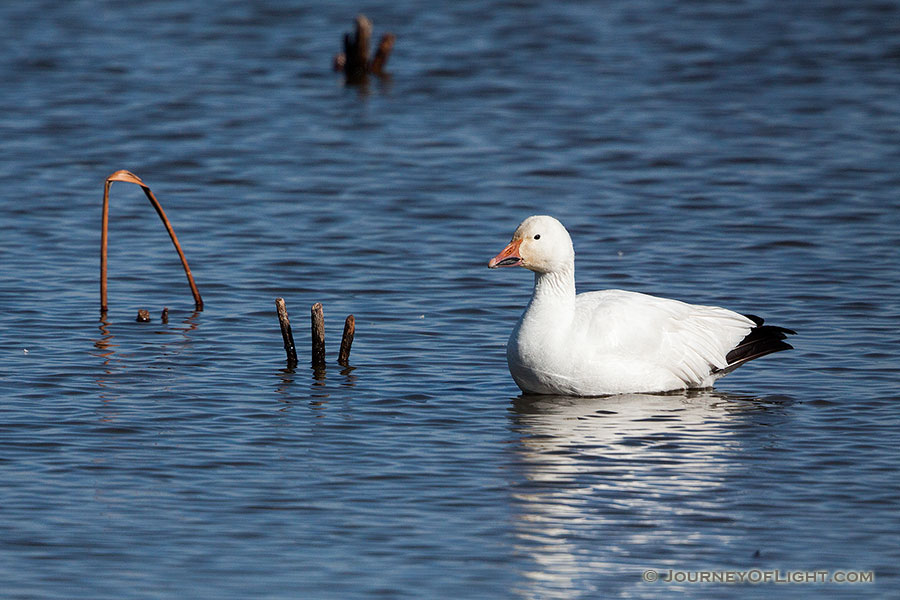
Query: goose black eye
(537,236)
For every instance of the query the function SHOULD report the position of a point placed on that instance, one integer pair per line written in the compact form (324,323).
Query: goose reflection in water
(614,485)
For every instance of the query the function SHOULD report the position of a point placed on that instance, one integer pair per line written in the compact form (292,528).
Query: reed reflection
(111,357)
(104,344)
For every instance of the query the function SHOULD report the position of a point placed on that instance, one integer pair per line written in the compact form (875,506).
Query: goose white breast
(614,341)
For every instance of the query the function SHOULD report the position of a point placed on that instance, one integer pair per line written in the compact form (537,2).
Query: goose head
(540,244)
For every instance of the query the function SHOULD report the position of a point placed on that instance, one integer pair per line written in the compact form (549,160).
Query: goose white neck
(555,286)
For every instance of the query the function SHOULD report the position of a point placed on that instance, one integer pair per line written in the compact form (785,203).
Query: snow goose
(614,341)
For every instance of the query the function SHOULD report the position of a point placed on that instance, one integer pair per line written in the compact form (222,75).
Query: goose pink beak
(508,257)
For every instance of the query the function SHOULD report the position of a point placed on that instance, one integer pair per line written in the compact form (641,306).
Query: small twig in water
(381,55)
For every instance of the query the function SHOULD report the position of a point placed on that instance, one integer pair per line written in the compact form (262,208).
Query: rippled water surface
(740,154)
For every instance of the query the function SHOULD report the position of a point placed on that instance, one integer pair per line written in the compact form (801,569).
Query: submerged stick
(317,318)
(286,333)
(347,341)
(129,177)
(354,60)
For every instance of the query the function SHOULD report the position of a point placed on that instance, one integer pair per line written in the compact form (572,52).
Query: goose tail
(761,341)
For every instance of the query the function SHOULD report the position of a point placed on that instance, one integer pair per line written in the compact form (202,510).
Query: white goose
(613,341)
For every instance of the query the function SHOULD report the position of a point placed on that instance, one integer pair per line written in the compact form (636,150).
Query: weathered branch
(356,51)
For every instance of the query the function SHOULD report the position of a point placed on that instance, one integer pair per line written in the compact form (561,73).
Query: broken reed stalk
(317,318)
(286,333)
(129,177)
(347,341)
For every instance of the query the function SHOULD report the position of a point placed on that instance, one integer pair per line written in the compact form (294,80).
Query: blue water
(741,154)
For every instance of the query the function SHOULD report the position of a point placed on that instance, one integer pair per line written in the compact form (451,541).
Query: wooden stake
(286,333)
(347,341)
(317,318)
(129,177)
